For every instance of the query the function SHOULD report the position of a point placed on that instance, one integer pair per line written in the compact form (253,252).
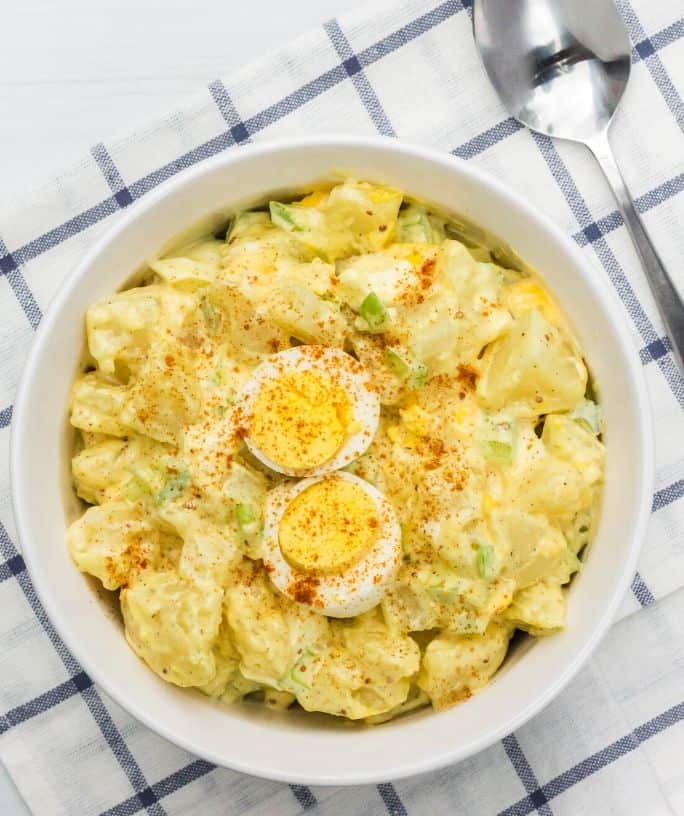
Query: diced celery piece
(498,452)
(173,487)
(212,318)
(299,673)
(283,216)
(416,226)
(486,561)
(137,489)
(413,373)
(498,435)
(228,400)
(246,518)
(399,367)
(442,595)
(589,414)
(373,315)
(419,376)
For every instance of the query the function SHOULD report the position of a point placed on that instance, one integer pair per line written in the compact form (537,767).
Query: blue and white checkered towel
(614,741)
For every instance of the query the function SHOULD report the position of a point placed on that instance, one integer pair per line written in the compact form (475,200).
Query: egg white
(361,586)
(331,364)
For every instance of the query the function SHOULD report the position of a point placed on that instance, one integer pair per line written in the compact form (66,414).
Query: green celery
(499,452)
(246,519)
(442,595)
(413,373)
(281,216)
(136,489)
(485,561)
(588,413)
(374,315)
(173,487)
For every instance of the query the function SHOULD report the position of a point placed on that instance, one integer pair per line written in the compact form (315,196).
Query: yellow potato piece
(527,294)
(454,666)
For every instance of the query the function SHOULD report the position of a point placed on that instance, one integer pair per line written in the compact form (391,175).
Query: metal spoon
(561,67)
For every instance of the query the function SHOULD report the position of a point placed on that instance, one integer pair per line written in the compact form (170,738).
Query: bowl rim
(600,289)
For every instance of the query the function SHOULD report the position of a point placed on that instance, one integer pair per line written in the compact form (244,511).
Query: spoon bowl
(558,70)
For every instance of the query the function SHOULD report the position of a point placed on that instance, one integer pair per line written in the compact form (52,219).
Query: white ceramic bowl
(291,746)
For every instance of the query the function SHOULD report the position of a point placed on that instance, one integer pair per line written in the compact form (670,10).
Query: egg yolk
(300,420)
(328,527)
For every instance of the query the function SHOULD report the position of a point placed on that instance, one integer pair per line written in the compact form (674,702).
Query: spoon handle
(667,297)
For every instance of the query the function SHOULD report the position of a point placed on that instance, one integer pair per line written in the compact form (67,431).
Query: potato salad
(334,456)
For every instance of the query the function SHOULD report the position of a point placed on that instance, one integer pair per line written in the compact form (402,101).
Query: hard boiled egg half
(309,410)
(331,542)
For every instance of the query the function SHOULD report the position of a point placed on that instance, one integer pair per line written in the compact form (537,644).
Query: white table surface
(74,72)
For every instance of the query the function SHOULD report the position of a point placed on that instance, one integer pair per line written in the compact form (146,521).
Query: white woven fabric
(613,742)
